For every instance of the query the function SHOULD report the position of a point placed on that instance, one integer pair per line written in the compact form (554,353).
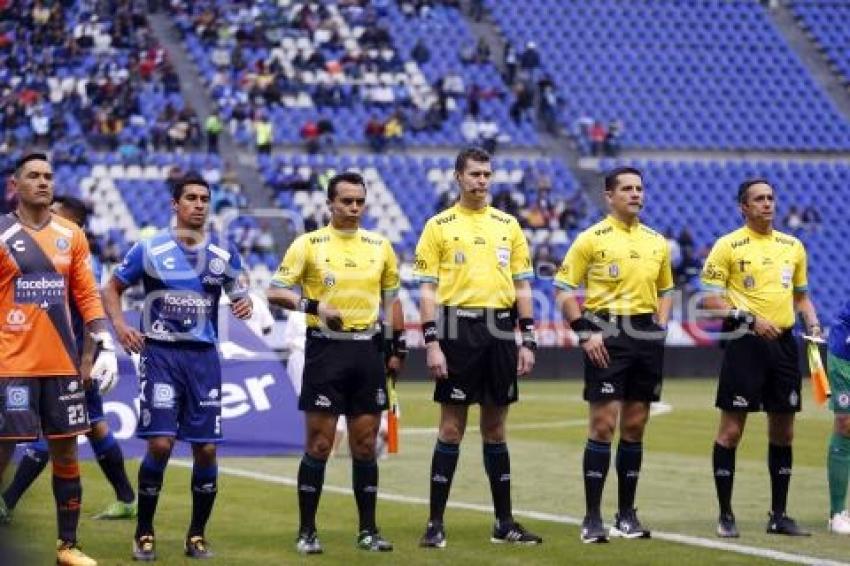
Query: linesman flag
(392,416)
(820,383)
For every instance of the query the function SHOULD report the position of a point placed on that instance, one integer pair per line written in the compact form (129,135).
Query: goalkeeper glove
(104,371)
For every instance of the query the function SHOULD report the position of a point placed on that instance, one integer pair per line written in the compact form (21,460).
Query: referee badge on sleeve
(503,255)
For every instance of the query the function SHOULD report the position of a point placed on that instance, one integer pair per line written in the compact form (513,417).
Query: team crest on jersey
(503,255)
(329,280)
(217,266)
(613,270)
(62,244)
(843,400)
(749,282)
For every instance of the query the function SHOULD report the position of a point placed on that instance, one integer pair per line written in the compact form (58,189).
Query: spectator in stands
(420,52)
(326,135)
(310,134)
(394,130)
(374,133)
(523,102)
(213,127)
(469,130)
(489,132)
(476,10)
(675,253)
(482,51)
(612,138)
(544,261)
(263,134)
(504,201)
(811,219)
(597,134)
(40,125)
(530,58)
(510,60)
(686,241)
(793,221)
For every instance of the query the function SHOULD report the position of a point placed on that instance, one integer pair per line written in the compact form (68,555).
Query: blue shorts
(94,404)
(180,392)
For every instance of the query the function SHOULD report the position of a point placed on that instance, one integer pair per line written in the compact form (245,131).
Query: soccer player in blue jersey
(103,443)
(838,456)
(184,271)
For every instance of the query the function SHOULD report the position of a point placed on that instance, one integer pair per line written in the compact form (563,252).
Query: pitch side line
(540,516)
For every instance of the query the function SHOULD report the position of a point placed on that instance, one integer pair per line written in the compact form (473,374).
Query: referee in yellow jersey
(344,273)
(625,267)
(756,278)
(473,265)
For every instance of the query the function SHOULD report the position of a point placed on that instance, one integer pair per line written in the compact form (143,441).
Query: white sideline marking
(656,409)
(540,516)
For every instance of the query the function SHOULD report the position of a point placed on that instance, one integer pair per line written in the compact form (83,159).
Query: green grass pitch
(255,518)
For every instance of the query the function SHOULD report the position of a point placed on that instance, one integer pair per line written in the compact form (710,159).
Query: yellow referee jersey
(758,273)
(624,268)
(473,256)
(347,270)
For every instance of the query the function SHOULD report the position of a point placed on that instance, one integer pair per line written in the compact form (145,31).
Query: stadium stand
(678,74)
(344,64)
(818,18)
(77,75)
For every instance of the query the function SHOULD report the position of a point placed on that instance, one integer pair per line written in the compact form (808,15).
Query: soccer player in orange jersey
(44,264)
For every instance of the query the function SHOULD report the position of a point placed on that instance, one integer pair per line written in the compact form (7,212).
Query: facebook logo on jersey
(43,289)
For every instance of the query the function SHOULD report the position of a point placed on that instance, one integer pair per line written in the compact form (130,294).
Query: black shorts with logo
(760,375)
(481,355)
(54,407)
(343,374)
(635,347)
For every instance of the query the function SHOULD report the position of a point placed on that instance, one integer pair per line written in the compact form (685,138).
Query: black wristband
(742,317)
(582,325)
(309,306)
(526,325)
(399,344)
(429,331)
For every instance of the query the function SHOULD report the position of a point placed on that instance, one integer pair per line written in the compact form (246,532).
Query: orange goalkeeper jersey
(40,271)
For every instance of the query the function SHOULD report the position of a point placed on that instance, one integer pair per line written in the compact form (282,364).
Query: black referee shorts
(481,354)
(343,375)
(759,374)
(635,346)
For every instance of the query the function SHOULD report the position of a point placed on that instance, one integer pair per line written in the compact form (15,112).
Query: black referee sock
(597,459)
(779,462)
(29,468)
(629,457)
(497,464)
(151,474)
(311,478)
(723,462)
(364,480)
(443,465)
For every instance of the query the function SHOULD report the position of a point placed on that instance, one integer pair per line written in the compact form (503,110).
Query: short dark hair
(32,156)
(614,174)
(745,186)
(345,177)
(191,178)
(470,154)
(76,206)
